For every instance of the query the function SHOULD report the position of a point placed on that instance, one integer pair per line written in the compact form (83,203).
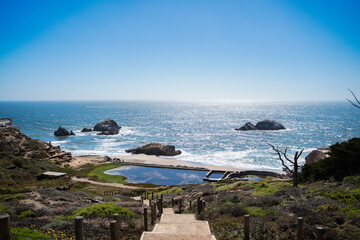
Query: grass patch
(103,209)
(348,197)
(256,211)
(27,232)
(171,190)
(9,197)
(99,170)
(26,214)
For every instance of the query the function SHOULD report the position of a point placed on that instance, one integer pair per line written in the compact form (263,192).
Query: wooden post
(320,233)
(152,195)
(117,219)
(155,213)
(161,204)
(142,200)
(190,206)
(5,227)
(152,213)
(198,205)
(300,232)
(145,219)
(172,202)
(113,230)
(79,232)
(149,202)
(246,227)
(203,205)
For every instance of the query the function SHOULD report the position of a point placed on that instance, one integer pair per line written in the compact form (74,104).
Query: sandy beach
(79,161)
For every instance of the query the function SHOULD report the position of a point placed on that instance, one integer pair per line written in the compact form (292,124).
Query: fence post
(152,195)
(79,232)
(246,227)
(198,204)
(142,199)
(152,213)
(145,219)
(117,219)
(300,232)
(172,202)
(190,206)
(161,204)
(319,233)
(4,227)
(114,232)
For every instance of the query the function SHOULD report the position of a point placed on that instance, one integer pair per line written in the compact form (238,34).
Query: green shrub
(256,211)
(352,179)
(344,161)
(26,214)
(58,224)
(27,232)
(100,210)
(344,196)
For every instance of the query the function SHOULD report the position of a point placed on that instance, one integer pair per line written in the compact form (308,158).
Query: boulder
(86,130)
(60,132)
(107,127)
(269,125)
(155,149)
(247,126)
(317,155)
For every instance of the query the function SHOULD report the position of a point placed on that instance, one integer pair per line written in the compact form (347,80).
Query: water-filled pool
(160,176)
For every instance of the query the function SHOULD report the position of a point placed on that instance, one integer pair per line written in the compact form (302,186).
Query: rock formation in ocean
(107,127)
(247,126)
(263,125)
(155,149)
(86,130)
(317,155)
(269,125)
(60,132)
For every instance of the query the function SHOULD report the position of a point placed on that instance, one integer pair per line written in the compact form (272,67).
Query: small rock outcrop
(246,127)
(317,155)
(155,149)
(107,127)
(61,132)
(269,125)
(86,130)
(263,125)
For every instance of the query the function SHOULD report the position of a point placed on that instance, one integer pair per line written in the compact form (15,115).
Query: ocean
(203,131)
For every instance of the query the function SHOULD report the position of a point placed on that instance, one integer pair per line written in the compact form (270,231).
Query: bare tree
(354,104)
(293,163)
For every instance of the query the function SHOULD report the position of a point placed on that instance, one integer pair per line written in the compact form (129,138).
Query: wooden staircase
(179,227)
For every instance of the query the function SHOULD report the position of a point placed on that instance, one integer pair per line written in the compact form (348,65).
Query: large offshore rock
(246,127)
(269,125)
(107,127)
(60,132)
(155,149)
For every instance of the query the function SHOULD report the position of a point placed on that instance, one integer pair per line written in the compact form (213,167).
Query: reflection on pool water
(159,176)
(162,176)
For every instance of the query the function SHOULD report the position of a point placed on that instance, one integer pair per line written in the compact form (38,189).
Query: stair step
(168,211)
(188,228)
(166,236)
(177,218)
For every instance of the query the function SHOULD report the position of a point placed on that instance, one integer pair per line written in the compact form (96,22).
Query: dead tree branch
(354,104)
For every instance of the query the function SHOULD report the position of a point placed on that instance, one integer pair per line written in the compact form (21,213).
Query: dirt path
(119,185)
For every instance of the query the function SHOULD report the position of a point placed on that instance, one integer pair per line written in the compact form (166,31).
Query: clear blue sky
(179,50)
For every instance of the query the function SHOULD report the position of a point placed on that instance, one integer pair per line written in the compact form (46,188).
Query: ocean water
(203,131)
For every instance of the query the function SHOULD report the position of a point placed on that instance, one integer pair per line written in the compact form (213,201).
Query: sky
(191,50)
